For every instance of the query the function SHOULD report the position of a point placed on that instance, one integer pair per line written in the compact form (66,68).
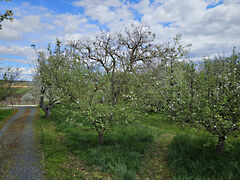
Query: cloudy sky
(211,26)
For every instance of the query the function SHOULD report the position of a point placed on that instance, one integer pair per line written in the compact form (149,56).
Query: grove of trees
(8,76)
(107,80)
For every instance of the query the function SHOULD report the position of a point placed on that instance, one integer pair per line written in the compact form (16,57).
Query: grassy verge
(56,158)
(5,114)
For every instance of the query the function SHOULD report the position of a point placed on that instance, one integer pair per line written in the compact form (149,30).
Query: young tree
(159,84)
(47,71)
(210,97)
(109,61)
(207,96)
(218,98)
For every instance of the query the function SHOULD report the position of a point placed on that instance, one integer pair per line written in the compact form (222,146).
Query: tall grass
(196,158)
(121,153)
(190,156)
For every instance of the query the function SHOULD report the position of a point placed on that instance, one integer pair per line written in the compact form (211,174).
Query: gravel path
(18,158)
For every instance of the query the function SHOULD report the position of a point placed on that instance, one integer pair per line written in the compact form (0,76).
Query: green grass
(57,164)
(196,158)
(191,154)
(152,148)
(160,122)
(121,153)
(120,156)
(19,92)
(4,114)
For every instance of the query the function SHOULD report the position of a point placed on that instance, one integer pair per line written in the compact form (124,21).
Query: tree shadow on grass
(121,153)
(196,158)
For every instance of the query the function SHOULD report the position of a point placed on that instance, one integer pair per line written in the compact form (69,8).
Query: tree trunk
(220,145)
(47,112)
(100,134)
(45,108)
(41,102)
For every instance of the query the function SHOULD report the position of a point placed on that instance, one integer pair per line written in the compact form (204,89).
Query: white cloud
(17,28)
(210,31)
(23,54)
(26,70)
(106,12)
(69,22)
(212,1)
(26,73)
(24,51)
(232,1)
(108,3)
(24,61)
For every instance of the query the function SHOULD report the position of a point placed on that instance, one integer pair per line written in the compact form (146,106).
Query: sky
(211,26)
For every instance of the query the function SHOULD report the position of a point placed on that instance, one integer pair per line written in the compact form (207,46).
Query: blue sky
(213,5)
(212,26)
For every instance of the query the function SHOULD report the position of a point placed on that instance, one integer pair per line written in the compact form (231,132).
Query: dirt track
(18,156)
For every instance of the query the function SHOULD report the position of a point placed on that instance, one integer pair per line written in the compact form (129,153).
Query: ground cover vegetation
(117,86)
